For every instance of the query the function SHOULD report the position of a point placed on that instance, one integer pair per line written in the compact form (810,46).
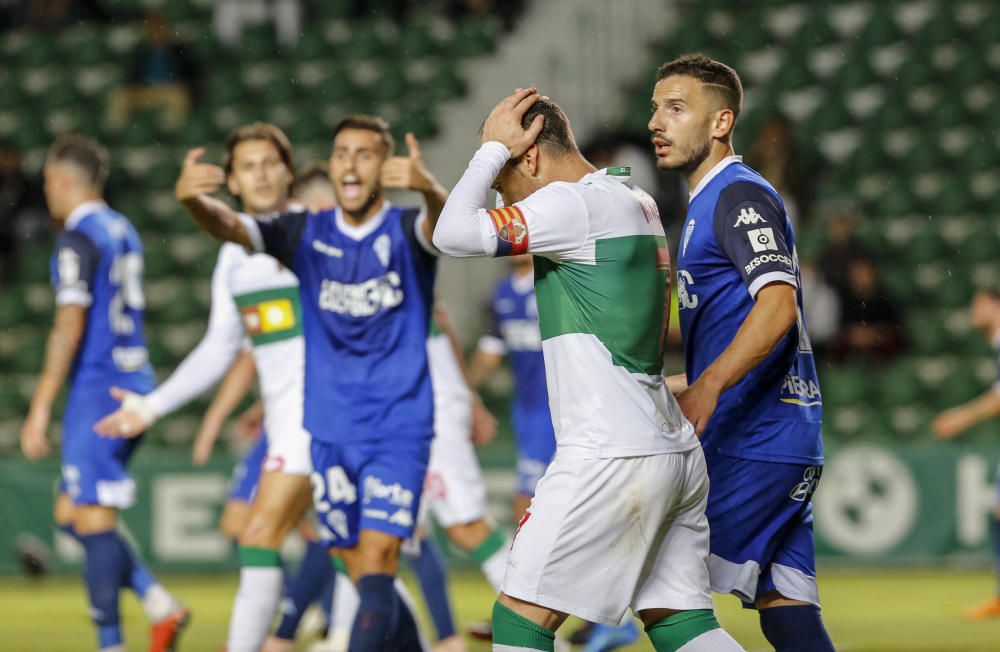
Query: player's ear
(725,120)
(530,160)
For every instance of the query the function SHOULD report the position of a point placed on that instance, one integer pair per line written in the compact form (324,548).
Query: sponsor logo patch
(767,258)
(748,217)
(762,239)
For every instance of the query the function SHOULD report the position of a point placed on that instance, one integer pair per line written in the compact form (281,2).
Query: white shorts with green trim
(603,535)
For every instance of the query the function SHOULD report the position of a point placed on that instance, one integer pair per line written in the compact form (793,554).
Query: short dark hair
(368,123)
(258,131)
(315,171)
(556,134)
(990,290)
(721,79)
(89,156)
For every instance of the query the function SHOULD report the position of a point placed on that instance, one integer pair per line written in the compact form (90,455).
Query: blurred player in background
(366,275)
(952,423)
(751,389)
(96,343)
(314,188)
(514,332)
(253,297)
(618,519)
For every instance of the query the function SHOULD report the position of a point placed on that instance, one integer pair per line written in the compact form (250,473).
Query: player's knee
(265,530)
(93,519)
(378,554)
(469,535)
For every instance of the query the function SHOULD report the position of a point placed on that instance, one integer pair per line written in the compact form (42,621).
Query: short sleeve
(411,220)
(280,237)
(552,222)
(749,225)
(73,268)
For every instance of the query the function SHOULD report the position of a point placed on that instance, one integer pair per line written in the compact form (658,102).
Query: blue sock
(306,587)
(104,570)
(433,577)
(378,615)
(138,577)
(407,637)
(70,530)
(995,540)
(795,629)
(326,597)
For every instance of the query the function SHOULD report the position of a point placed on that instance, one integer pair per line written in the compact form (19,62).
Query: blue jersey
(366,306)
(515,324)
(98,264)
(737,240)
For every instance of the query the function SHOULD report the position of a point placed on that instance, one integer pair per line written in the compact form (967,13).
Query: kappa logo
(329,250)
(762,239)
(748,217)
(383,247)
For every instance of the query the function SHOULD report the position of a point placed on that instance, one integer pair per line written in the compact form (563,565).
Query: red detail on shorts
(520,524)
(274,463)
(435,486)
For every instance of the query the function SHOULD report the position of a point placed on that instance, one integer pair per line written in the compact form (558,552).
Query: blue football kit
(763,443)
(366,293)
(98,264)
(515,332)
(246,474)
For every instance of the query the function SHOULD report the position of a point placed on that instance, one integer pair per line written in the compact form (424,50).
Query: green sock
(512,632)
(339,565)
(259,557)
(673,632)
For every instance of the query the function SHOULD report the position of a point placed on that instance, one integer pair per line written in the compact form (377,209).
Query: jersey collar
(82,211)
(719,167)
(362,231)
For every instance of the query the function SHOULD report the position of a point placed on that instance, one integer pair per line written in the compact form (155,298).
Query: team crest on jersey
(748,217)
(383,247)
(687,236)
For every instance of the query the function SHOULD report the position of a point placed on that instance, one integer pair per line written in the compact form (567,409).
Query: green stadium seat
(900,385)
(475,37)
(929,334)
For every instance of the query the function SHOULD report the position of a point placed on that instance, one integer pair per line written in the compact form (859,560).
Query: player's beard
(695,155)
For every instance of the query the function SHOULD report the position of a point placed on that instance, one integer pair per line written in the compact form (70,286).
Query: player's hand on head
(503,124)
(34,442)
(130,420)
(698,403)
(198,178)
(408,172)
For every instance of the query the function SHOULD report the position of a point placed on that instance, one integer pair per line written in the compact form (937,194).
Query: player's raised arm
(64,340)
(410,173)
(196,182)
(463,229)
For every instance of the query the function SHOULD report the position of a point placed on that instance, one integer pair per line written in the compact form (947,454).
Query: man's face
(984,310)
(56,181)
(355,167)
(514,183)
(683,114)
(259,177)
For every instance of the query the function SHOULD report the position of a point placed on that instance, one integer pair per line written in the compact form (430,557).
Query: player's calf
(520,625)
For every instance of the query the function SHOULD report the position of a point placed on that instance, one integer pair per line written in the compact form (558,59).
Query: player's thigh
(454,487)
(93,519)
(280,502)
(593,514)
(675,574)
(288,449)
(791,573)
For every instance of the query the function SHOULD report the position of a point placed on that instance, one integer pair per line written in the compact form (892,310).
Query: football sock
(377,620)
(491,555)
(432,574)
(696,630)
(345,605)
(326,597)
(305,588)
(256,600)
(104,568)
(513,632)
(407,635)
(995,540)
(795,629)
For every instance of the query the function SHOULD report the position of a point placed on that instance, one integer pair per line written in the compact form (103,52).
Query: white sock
(345,604)
(714,640)
(254,607)
(495,567)
(158,603)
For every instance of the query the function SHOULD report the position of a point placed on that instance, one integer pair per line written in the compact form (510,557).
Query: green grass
(869,611)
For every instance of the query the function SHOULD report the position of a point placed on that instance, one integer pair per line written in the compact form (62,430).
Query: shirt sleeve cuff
(767,279)
(253,232)
(492,344)
(73,297)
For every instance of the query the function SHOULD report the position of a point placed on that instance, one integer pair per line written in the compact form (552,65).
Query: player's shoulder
(558,196)
(740,183)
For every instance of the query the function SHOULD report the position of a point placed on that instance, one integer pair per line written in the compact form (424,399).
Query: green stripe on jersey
(622,299)
(271,315)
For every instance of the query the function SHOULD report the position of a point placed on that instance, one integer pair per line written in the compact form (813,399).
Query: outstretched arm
(237,383)
(64,339)
(951,423)
(196,182)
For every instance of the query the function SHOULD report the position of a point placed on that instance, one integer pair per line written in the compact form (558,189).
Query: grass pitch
(870,611)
